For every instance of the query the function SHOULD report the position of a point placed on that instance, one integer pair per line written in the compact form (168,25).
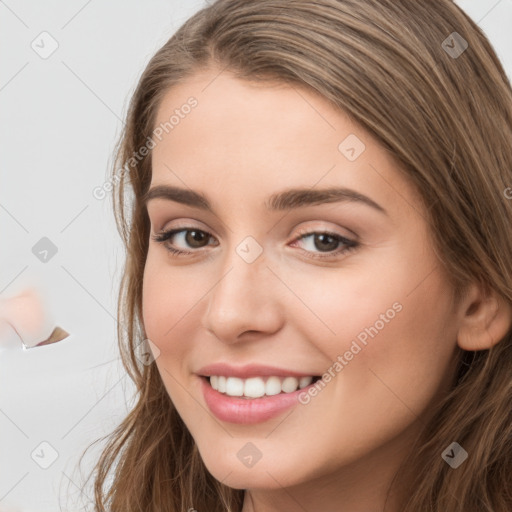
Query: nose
(245,302)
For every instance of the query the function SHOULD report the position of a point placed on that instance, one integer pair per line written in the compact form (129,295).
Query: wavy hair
(446,118)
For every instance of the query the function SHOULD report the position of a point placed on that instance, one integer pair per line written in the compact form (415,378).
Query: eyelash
(350,245)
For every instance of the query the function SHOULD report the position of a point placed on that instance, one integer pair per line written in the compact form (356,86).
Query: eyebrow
(285,200)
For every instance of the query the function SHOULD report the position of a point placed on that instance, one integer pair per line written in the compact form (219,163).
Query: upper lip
(249,370)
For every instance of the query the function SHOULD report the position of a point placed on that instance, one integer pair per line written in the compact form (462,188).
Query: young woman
(315,202)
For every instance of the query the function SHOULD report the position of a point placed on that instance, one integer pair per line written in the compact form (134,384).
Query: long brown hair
(444,111)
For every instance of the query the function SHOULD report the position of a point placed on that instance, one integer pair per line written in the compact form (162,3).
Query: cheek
(339,309)
(390,337)
(170,292)
(167,298)
(168,307)
(406,351)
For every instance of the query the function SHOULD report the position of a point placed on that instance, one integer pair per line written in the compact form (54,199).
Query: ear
(485,319)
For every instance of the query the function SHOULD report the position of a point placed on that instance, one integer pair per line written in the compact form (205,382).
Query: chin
(230,471)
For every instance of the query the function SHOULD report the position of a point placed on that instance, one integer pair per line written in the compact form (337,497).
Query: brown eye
(320,244)
(178,241)
(195,238)
(325,242)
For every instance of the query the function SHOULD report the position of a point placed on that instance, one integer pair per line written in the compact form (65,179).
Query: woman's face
(282,277)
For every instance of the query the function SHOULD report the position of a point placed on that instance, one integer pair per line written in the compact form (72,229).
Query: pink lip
(249,370)
(245,411)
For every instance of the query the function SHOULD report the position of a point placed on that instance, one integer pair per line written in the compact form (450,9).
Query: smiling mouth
(257,387)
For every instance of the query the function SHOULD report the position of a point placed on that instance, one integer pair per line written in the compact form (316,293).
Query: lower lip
(251,410)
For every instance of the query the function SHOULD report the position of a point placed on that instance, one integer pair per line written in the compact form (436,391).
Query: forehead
(256,137)
(237,111)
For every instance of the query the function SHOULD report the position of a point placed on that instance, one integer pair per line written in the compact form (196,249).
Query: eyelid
(353,237)
(183,225)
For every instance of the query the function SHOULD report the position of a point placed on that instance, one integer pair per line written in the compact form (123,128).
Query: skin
(242,143)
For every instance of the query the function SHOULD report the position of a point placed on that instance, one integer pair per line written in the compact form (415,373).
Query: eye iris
(194,237)
(322,237)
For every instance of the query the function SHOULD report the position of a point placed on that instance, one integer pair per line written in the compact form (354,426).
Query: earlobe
(486,320)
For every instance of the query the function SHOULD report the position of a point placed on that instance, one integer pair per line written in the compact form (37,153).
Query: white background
(60,118)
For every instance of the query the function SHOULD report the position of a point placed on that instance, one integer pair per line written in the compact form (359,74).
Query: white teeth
(273,386)
(234,386)
(290,384)
(305,381)
(256,387)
